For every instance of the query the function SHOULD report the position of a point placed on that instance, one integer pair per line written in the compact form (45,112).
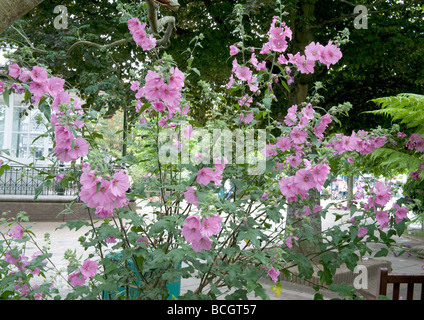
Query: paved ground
(63,239)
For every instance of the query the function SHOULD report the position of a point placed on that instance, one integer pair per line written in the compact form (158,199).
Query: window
(20,129)
(2,121)
(25,130)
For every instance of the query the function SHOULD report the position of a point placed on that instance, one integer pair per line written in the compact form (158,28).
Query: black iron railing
(19,180)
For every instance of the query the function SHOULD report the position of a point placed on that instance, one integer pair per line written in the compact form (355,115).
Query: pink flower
(278,44)
(329,54)
(220,164)
(298,135)
(293,58)
(89,268)
(304,65)
(244,74)
(269,150)
(187,132)
(25,75)
(110,240)
(362,232)
(246,117)
(18,88)
(205,175)
(383,218)
(289,241)
(294,161)
(401,213)
(245,100)
(64,154)
(382,198)
(333,53)
(64,136)
(14,71)
(265,48)
(104,213)
(152,88)
(282,59)
(61,97)
(190,196)
(119,184)
(283,143)
(320,128)
(134,25)
(306,211)
(320,173)
(211,225)
(37,88)
(262,66)
(253,60)
(80,148)
(39,74)
(135,85)
(288,187)
(203,244)
(17,232)
(88,178)
(304,179)
(139,35)
(103,197)
(191,229)
(312,51)
(230,82)
(2,86)
(273,274)
(233,50)
(55,85)
(176,78)
(9,258)
(77,279)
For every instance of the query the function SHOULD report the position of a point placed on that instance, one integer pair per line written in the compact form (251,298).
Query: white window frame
(15,102)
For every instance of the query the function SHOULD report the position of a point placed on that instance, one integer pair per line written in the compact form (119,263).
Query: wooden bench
(397,279)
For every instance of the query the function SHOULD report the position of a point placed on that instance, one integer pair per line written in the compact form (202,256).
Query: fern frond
(395,159)
(408,108)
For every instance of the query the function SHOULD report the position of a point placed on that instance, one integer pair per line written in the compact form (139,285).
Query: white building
(20,131)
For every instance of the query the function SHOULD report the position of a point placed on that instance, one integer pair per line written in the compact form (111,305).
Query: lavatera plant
(188,224)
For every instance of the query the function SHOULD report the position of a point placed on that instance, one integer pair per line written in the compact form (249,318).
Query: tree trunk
(12,10)
(302,36)
(349,191)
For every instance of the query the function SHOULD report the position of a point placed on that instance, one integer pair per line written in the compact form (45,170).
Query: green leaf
(277,289)
(382,253)
(6,97)
(39,189)
(400,227)
(196,71)
(343,289)
(44,107)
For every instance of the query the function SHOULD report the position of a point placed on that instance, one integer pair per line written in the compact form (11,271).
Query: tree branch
(156,25)
(10,11)
(98,46)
